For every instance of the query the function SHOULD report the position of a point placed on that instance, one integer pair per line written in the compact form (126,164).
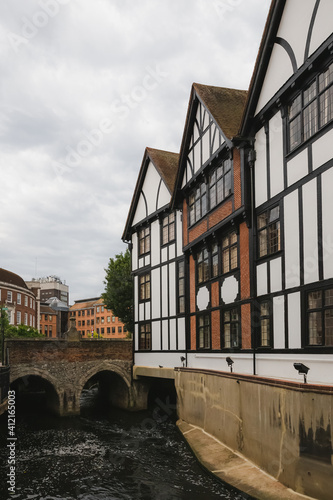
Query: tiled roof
(167,164)
(86,304)
(46,309)
(12,278)
(225,105)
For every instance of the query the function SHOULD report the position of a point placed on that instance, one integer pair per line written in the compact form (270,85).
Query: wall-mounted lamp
(302,370)
(230,363)
(183,359)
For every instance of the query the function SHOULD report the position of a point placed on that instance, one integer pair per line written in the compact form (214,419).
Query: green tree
(118,295)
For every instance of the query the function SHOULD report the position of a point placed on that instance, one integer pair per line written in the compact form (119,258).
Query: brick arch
(108,366)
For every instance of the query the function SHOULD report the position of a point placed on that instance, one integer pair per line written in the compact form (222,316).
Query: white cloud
(71,68)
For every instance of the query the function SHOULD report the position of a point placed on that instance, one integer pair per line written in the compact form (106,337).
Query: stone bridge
(63,369)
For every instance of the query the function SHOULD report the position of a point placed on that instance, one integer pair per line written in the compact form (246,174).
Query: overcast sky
(85,86)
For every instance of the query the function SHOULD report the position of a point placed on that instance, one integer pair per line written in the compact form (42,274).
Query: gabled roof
(12,278)
(226,107)
(260,68)
(86,303)
(166,164)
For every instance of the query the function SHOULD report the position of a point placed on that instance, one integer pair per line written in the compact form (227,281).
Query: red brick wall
(246,326)
(220,213)
(215,294)
(197,231)
(192,285)
(215,322)
(193,333)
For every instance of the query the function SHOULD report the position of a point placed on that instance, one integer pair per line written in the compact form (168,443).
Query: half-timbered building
(210,191)
(155,233)
(289,115)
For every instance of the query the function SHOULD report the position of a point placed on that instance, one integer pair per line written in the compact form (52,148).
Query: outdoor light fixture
(302,369)
(182,359)
(230,363)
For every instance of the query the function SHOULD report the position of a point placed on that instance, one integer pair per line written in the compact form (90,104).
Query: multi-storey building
(155,232)
(92,317)
(48,321)
(249,271)
(20,302)
(51,286)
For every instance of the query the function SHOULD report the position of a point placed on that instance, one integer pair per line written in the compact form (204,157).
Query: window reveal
(320,317)
(144,241)
(269,232)
(204,337)
(144,283)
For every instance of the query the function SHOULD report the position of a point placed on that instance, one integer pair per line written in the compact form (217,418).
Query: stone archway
(24,377)
(114,380)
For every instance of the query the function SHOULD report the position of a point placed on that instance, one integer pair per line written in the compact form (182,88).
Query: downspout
(251,161)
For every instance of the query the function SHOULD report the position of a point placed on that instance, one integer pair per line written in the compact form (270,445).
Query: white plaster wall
(205,147)
(322,28)
(155,336)
(276,154)
(173,335)
(181,333)
(197,156)
(155,243)
(243,363)
(172,251)
(294,26)
(262,279)
(140,212)
(136,299)
(147,310)
(150,187)
(136,337)
(291,240)
(278,322)
(172,289)
(260,168)
(327,212)
(163,198)
(310,231)
(164,254)
(322,150)
(141,312)
(155,293)
(297,168)
(134,251)
(165,359)
(165,291)
(294,320)
(282,367)
(165,335)
(276,274)
(278,72)
(179,233)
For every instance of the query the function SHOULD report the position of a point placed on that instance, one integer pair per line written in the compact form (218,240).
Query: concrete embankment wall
(283,427)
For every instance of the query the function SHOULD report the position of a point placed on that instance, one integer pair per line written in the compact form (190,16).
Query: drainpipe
(251,161)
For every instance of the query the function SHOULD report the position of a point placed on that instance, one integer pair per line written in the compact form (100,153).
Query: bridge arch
(24,378)
(115,383)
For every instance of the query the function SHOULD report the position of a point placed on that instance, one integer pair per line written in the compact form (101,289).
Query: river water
(104,455)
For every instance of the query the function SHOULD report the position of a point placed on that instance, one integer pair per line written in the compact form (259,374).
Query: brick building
(21,302)
(93,317)
(48,321)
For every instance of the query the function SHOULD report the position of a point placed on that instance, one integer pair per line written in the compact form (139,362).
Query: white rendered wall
(327,211)
(260,168)
(276,155)
(310,232)
(291,240)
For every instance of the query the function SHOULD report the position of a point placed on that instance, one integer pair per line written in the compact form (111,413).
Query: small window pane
(329,297)
(314,300)
(315,328)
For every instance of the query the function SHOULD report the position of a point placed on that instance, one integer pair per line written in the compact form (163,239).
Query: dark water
(109,455)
